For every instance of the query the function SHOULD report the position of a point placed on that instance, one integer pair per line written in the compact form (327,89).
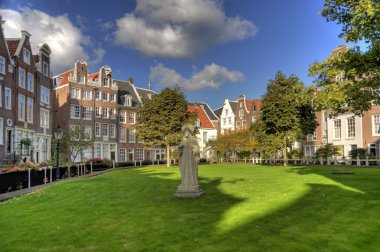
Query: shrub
(327,151)
(358,153)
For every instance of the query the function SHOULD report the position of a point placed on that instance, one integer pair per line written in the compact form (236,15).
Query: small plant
(358,153)
(19,186)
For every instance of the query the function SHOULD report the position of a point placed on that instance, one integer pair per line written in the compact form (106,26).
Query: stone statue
(188,152)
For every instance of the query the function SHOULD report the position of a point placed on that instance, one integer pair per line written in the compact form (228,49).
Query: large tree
(349,80)
(286,112)
(161,119)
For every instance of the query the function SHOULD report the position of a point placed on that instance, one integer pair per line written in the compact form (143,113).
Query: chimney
(149,86)
(25,34)
(130,80)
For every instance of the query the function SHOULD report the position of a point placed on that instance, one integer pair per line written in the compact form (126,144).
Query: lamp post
(96,89)
(58,136)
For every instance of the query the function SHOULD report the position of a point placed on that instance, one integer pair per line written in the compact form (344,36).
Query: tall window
(337,129)
(105,96)
(105,112)
(113,130)
(105,82)
(132,117)
(75,111)
(29,110)
(351,127)
(98,150)
(45,68)
(128,100)
(87,133)
(204,137)
(75,93)
(105,129)
(122,153)
(2,65)
(1,131)
(44,118)
(98,111)
(123,135)
(87,94)
(81,79)
(113,97)
(140,154)
(98,95)
(21,77)
(132,135)
(224,121)
(26,56)
(8,98)
(86,113)
(45,95)
(241,112)
(30,82)
(376,125)
(97,129)
(113,113)
(122,117)
(229,120)
(21,108)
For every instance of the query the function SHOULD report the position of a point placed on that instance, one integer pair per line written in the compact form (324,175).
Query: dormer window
(105,82)
(26,56)
(128,100)
(45,69)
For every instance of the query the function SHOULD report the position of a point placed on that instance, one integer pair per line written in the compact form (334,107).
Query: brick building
(25,121)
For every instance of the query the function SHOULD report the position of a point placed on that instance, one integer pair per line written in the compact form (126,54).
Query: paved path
(5,196)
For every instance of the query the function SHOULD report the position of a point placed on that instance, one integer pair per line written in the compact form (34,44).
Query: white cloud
(179,28)
(211,76)
(66,41)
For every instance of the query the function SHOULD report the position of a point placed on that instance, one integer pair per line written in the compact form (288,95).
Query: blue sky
(212,49)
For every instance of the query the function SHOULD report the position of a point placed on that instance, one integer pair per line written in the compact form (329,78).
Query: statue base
(188,192)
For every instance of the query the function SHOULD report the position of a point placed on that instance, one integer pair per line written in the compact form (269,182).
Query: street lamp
(58,136)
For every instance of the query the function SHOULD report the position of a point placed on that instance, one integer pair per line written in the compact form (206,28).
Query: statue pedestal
(188,192)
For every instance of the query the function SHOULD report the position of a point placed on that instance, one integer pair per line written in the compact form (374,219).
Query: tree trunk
(167,155)
(285,153)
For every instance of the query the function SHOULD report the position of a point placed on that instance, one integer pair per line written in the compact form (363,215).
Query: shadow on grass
(135,210)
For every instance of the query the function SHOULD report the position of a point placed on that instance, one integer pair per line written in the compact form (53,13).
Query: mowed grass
(245,208)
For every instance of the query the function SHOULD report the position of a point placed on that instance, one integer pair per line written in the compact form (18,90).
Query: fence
(311,161)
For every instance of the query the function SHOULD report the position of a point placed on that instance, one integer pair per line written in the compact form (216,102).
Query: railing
(309,161)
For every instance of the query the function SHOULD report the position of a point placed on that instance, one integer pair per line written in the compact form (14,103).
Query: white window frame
(86,113)
(2,65)
(112,130)
(30,82)
(29,117)
(335,122)
(140,154)
(98,129)
(113,98)
(123,115)
(76,111)
(44,118)
(21,77)
(45,68)
(26,56)
(132,117)
(105,130)
(123,135)
(106,82)
(45,95)
(106,112)
(1,131)
(87,94)
(107,96)
(351,127)
(376,120)
(98,111)
(132,136)
(21,108)
(8,98)
(122,154)
(87,135)
(75,93)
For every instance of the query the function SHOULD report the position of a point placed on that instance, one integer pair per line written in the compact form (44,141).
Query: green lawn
(246,208)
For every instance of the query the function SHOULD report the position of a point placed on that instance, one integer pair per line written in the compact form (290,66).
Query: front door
(8,143)
(113,155)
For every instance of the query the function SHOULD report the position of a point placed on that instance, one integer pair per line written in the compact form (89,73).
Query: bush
(358,153)
(296,153)
(327,151)
(203,160)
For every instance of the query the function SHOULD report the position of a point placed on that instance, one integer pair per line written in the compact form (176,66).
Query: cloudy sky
(212,49)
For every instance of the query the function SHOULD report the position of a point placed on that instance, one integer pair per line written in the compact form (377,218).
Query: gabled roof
(234,106)
(12,45)
(125,88)
(144,93)
(207,109)
(93,76)
(218,112)
(257,103)
(205,122)
(65,77)
(248,105)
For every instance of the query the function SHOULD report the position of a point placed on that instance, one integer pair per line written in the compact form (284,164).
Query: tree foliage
(349,79)
(233,144)
(327,151)
(161,119)
(286,112)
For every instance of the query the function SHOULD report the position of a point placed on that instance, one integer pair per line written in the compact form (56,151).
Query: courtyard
(246,208)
